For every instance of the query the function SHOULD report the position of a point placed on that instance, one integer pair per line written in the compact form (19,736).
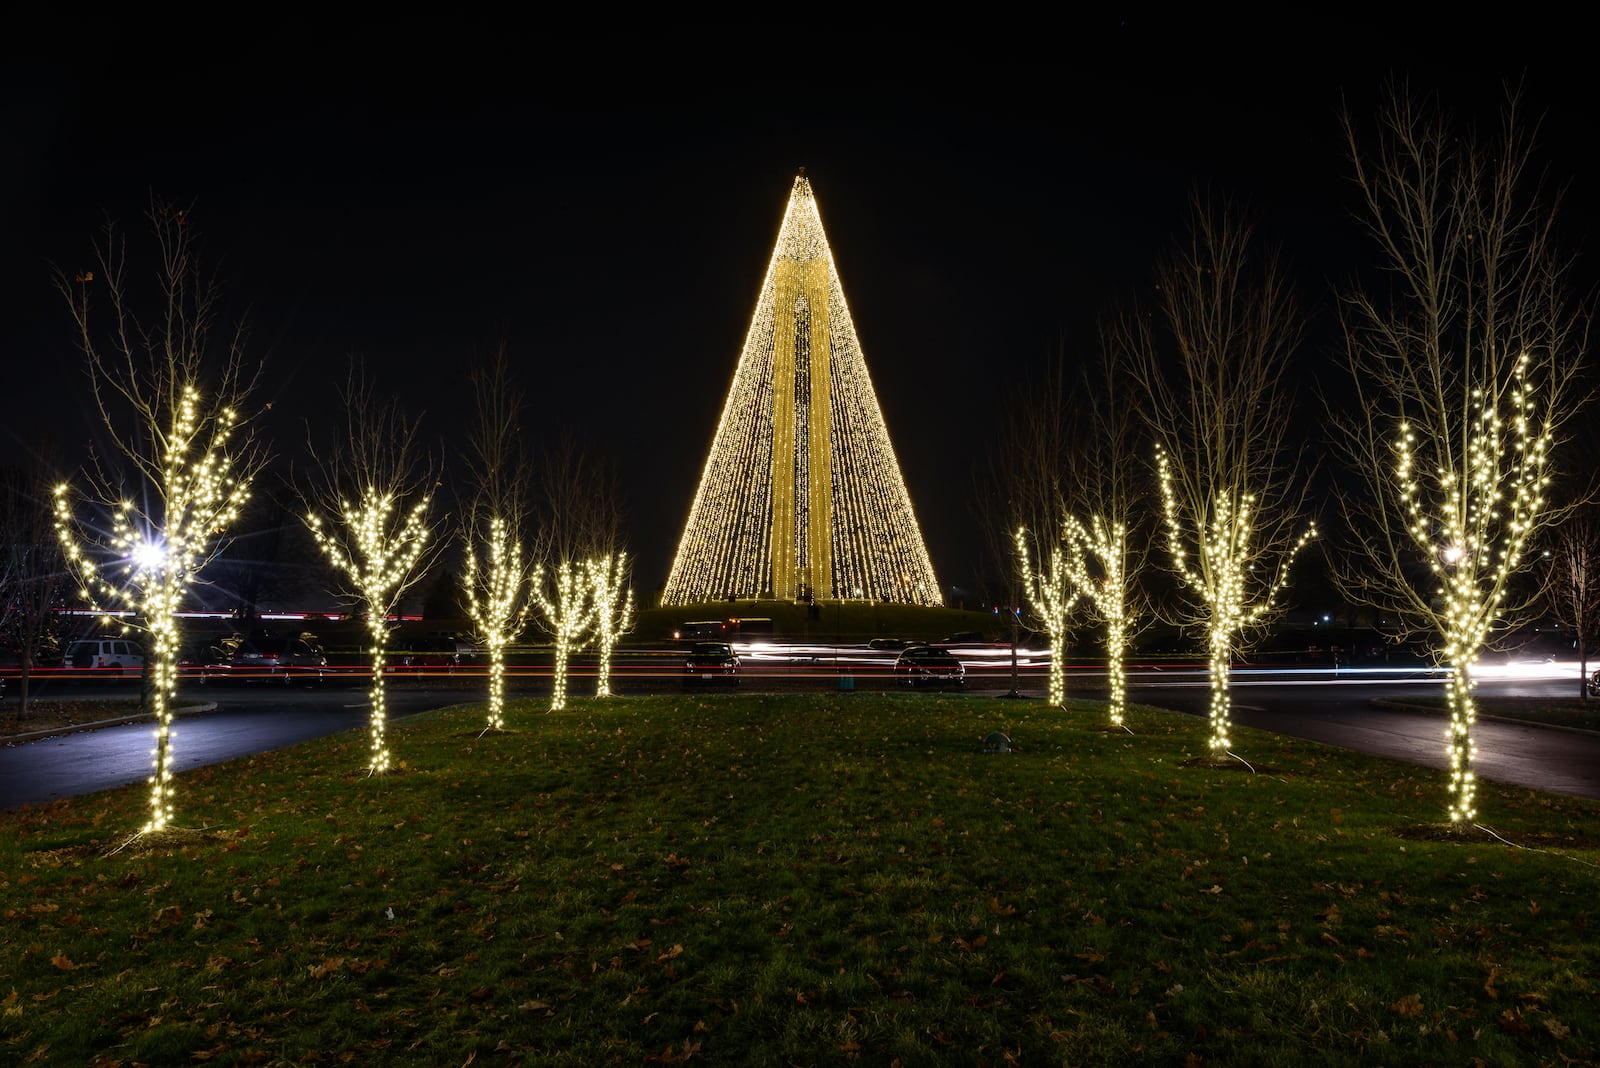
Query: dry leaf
(1408,1007)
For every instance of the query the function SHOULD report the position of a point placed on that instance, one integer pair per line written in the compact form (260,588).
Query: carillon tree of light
(1050,589)
(801,496)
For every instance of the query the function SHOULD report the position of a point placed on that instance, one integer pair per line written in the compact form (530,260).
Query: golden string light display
(159,555)
(376,546)
(801,492)
(1222,575)
(1473,529)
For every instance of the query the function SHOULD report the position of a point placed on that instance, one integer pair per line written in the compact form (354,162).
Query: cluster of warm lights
(1223,577)
(1051,591)
(611,600)
(744,534)
(159,556)
(377,546)
(1107,543)
(497,604)
(1473,528)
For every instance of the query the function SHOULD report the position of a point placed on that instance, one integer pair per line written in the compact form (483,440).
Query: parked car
(890,644)
(1594,684)
(711,662)
(924,665)
(434,654)
(105,656)
(278,659)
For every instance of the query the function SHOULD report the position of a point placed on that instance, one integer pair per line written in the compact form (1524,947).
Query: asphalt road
(1354,710)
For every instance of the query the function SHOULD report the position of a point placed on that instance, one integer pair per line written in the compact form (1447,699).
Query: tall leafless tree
(171,386)
(1465,361)
(1573,582)
(500,563)
(1211,364)
(1107,528)
(579,520)
(32,570)
(370,508)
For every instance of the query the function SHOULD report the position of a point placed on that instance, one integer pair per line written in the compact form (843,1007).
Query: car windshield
(711,649)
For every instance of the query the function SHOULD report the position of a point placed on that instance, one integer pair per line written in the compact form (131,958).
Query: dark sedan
(711,662)
(923,665)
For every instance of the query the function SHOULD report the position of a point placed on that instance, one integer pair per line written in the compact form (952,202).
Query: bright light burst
(801,490)
(148,560)
(376,545)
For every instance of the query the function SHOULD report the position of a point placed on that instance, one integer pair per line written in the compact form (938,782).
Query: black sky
(607,210)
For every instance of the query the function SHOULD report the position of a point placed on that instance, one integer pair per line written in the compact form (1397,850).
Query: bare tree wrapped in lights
(369,509)
(1574,583)
(611,597)
(1464,366)
(1025,486)
(32,575)
(1051,592)
(1104,478)
(578,524)
(170,388)
(1212,366)
(500,570)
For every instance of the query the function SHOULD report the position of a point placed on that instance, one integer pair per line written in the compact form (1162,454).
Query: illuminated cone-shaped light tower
(801,493)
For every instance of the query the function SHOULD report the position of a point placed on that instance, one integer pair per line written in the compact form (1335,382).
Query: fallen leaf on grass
(60,960)
(332,964)
(1408,1006)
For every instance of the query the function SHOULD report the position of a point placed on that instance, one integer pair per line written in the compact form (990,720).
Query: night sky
(608,211)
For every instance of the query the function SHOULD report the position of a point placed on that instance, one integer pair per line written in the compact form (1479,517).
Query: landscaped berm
(803,879)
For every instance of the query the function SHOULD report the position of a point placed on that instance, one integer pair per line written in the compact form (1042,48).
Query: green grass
(812,879)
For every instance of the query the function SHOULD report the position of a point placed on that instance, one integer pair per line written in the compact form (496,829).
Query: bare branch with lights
(1464,367)
(499,568)
(580,521)
(171,387)
(1211,365)
(369,508)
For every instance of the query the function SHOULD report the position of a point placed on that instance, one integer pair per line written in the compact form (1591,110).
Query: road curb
(117,721)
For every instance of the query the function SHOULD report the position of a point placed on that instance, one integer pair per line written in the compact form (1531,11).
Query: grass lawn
(802,879)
